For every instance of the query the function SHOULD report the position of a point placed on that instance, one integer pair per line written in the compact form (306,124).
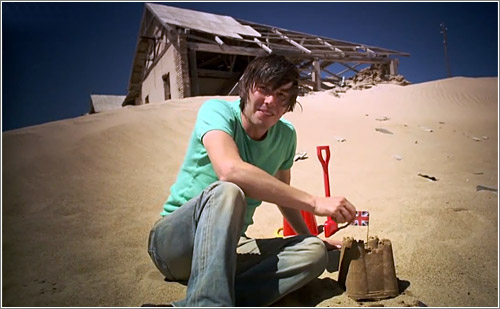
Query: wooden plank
(221,25)
(217,74)
(332,74)
(162,22)
(233,61)
(210,61)
(263,29)
(149,22)
(324,64)
(302,48)
(199,38)
(264,47)
(323,49)
(219,41)
(249,51)
(335,49)
(316,75)
(350,68)
(148,69)
(393,67)
(193,72)
(226,49)
(305,64)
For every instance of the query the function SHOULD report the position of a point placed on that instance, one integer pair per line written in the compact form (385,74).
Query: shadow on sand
(311,294)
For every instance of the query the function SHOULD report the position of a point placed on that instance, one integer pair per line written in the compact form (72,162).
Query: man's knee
(316,253)
(229,190)
(228,198)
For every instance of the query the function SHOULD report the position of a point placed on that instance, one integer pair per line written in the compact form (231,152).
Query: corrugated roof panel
(206,22)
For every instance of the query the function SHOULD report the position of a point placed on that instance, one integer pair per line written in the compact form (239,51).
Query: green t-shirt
(275,152)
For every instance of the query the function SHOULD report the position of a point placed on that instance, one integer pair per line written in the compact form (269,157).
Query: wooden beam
(210,61)
(333,79)
(147,70)
(315,49)
(331,47)
(324,64)
(233,61)
(362,58)
(217,74)
(149,22)
(316,75)
(249,51)
(393,67)
(332,74)
(368,51)
(226,49)
(199,38)
(193,73)
(305,64)
(264,47)
(219,41)
(158,18)
(302,48)
(352,68)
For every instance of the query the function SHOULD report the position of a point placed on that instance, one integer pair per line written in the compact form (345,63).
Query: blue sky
(54,55)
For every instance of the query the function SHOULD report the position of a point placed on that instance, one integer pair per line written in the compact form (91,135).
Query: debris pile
(369,77)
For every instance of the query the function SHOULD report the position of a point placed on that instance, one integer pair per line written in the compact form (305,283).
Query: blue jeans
(200,244)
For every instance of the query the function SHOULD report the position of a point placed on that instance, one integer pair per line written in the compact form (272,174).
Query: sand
(79,196)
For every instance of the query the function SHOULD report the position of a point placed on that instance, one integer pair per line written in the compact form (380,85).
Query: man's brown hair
(273,71)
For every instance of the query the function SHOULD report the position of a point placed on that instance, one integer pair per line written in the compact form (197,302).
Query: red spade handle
(324,164)
(331,227)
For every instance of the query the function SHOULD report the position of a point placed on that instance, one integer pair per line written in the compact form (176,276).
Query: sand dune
(80,195)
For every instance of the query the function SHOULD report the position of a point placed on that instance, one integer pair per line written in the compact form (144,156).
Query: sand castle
(367,271)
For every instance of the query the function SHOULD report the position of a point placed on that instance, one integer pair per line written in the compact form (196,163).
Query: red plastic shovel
(331,227)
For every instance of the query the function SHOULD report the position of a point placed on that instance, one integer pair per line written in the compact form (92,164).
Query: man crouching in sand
(239,155)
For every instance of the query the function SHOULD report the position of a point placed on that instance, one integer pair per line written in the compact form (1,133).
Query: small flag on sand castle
(362,219)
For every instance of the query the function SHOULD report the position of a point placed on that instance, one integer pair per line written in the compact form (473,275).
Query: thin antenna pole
(445,45)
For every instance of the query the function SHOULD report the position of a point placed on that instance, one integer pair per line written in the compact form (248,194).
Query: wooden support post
(393,67)
(193,72)
(233,60)
(317,74)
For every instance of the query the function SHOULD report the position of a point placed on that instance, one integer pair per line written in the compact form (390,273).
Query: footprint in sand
(46,287)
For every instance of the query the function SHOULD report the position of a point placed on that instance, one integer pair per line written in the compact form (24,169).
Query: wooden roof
(225,26)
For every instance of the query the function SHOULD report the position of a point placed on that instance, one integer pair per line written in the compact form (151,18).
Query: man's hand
(336,207)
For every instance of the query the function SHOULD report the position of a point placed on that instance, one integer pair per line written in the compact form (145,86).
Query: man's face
(265,106)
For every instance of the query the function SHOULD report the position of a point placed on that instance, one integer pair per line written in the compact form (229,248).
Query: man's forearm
(259,185)
(295,219)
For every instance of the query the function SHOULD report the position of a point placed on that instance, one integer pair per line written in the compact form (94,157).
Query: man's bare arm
(258,184)
(293,216)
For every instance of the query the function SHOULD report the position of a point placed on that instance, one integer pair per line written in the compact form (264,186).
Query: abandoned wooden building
(182,53)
